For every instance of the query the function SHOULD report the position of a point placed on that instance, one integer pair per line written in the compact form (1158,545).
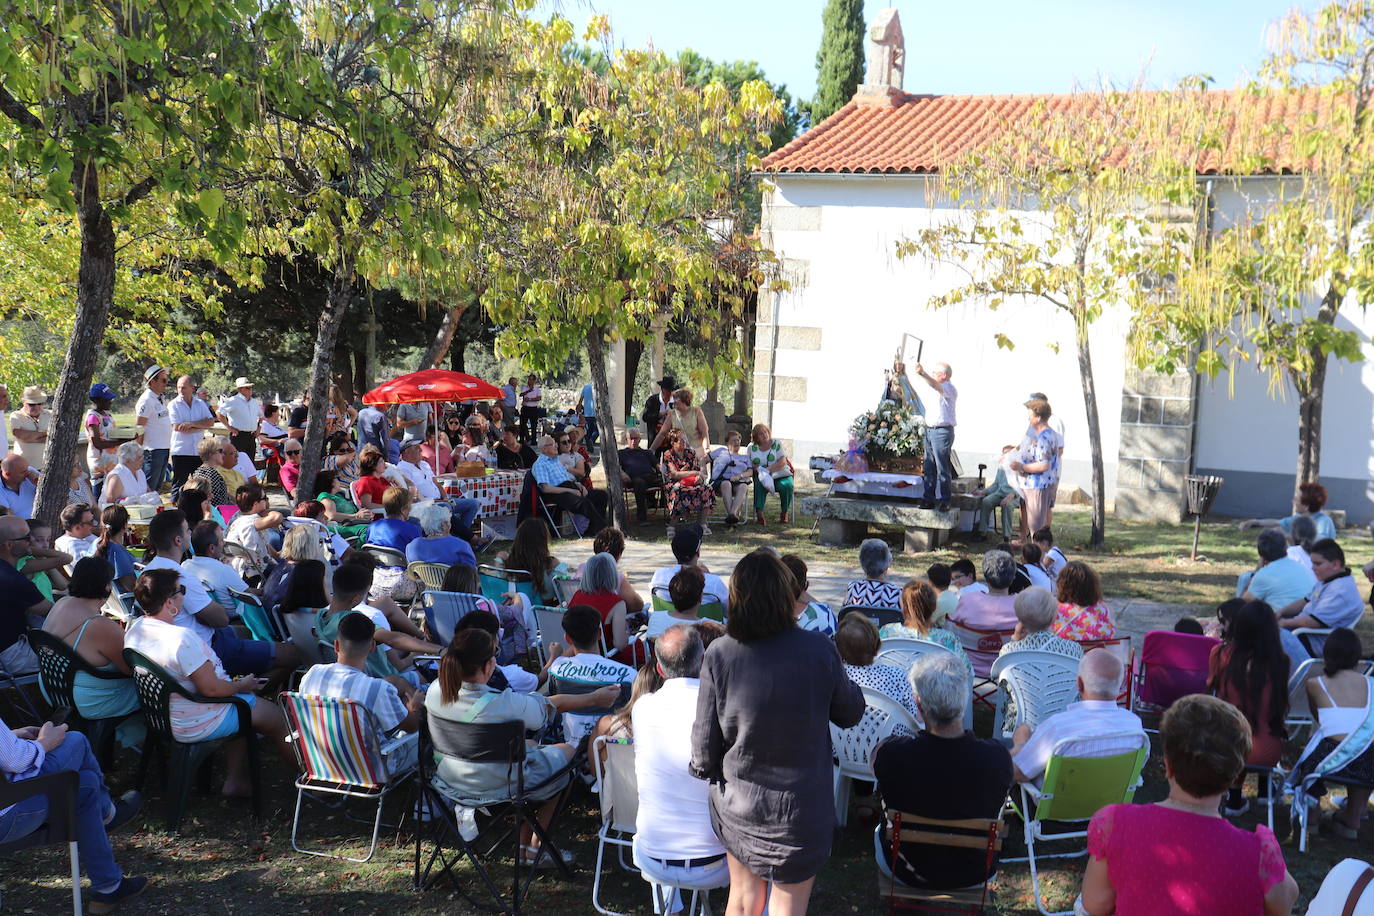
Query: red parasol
(431,385)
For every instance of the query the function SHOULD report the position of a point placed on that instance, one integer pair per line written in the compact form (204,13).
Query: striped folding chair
(338,752)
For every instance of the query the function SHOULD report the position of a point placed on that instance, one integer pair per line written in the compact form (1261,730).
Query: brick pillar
(1158,415)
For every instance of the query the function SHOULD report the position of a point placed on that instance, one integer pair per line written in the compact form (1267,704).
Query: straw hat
(34,395)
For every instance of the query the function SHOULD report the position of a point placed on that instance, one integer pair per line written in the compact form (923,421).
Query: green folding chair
(1074,789)
(660,602)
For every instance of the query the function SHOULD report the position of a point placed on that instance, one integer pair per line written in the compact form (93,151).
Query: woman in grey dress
(769,690)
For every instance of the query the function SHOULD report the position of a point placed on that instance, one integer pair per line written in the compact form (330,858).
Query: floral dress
(687,500)
(1082,624)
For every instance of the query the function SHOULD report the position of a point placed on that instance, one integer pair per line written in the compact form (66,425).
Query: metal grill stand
(1202,492)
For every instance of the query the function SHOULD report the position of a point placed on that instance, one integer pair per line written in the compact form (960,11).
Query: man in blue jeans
(939,436)
(38,751)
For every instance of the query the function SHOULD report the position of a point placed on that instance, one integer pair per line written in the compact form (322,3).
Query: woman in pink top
(1180,856)
(1082,615)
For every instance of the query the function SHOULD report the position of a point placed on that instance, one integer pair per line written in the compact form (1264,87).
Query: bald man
(1099,726)
(17,486)
(191,417)
(939,436)
(19,598)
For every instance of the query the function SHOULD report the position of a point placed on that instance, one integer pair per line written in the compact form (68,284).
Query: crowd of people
(728,688)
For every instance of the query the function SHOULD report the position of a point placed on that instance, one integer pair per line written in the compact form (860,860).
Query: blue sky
(974,47)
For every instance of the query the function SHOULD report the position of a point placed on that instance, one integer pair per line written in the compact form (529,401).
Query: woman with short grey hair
(434,520)
(439,544)
(601,590)
(978,614)
(1036,610)
(125,482)
(942,688)
(600,574)
(875,558)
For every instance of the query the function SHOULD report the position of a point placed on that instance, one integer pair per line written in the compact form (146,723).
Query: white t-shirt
(181,652)
(715,592)
(157,432)
(1039,577)
(421,477)
(33,452)
(218,578)
(134,483)
(587,668)
(76,547)
(377,617)
(243,532)
(244,465)
(1083,719)
(659,622)
(674,821)
(345,682)
(241,412)
(977,588)
(184,444)
(944,414)
(197,599)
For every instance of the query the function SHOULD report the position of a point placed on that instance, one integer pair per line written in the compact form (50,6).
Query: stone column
(615,380)
(660,328)
(1158,418)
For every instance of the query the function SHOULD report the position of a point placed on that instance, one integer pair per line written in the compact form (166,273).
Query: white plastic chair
(1039,683)
(853,747)
(902,652)
(618,789)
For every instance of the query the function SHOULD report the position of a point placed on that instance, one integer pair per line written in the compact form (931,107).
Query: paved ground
(1134,616)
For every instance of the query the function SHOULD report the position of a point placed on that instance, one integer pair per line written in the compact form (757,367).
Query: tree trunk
(1085,373)
(331,319)
(434,354)
(610,458)
(1311,394)
(94,296)
(457,352)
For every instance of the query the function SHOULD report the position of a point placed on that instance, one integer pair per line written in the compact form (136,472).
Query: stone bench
(844,521)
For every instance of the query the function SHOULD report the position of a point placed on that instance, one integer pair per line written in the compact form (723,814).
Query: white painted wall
(863,298)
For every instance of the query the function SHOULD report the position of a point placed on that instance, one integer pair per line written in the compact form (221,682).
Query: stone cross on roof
(886,60)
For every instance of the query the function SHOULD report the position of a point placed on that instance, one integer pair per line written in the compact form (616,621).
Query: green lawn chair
(660,601)
(1074,789)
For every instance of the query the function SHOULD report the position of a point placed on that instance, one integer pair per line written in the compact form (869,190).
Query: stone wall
(1158,417)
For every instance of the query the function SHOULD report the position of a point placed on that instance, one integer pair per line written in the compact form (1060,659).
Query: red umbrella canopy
(431,385)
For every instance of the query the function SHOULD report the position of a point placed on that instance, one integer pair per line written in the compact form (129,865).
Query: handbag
(690,481)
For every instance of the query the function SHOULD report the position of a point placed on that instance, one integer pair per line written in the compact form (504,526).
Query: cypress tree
(840,61)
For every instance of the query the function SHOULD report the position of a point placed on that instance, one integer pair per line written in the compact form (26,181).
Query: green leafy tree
(105,103)
(840,60)
(620,210)
(1062,210)
(1268,289)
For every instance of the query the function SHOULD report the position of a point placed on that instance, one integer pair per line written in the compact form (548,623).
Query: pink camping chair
(1172,665)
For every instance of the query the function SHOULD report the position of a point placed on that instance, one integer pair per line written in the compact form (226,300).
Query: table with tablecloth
(497,493)
(872,483)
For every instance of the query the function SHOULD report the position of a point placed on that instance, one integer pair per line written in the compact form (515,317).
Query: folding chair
(618,790)
(429,575)
(566,589)
(502,744)
(386,556)
(1303,632)
(660,601)
(881,616)
(532,505)
(1268,787)
(336,747)
(1074,789)
(60,827)
(497,580)
(1039,684)
(443,610)
(853,747)
(262,623)
(568,687)
(155,690)
(58,666)
(1300,714)
(1172,665)
(122,607)
(549,620)
(17,683)
(300,625)
(971,833)
(981,646)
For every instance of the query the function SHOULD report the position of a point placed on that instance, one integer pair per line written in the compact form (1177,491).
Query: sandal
(1329,824)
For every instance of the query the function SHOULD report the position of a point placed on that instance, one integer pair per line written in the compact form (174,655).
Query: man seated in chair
(20,599)
(674,841)
(34,751)
(639,471)
(975,776)
(558,488)
(463,694)
(687,552)
(397,709)
(396,638)
(1334,602)
(211,621)
(1099,682)
(584,665)
(208,566)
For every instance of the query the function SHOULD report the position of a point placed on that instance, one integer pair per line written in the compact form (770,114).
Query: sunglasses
(293,451)
(181,590)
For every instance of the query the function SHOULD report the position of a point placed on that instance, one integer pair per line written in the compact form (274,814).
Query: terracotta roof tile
(916,134)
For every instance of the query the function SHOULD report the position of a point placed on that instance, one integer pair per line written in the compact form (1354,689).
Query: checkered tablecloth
(498,492)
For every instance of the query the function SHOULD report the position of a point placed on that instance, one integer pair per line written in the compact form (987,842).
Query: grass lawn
(223,862)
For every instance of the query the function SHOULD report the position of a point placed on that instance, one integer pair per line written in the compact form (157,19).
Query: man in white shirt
(79,539)
(30,425)
(1095,716)
(155,427)
(208,566)
(242,413)
(584,667)
(347,679)
(190,418)
(939,436)
(687,552)
(674,820)
(169,536)
(420,476)
(508,396)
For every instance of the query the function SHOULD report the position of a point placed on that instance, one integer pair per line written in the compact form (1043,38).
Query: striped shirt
(872,593)
(345,682)
(20,758)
